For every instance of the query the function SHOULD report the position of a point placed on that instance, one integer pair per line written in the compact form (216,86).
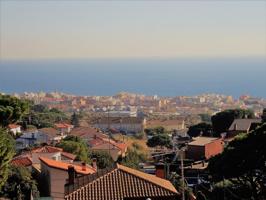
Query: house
(63,127)
(40,136)
(169,125)
(99,141)
(124,124)
(55,173)
(87,133)
(22,161)
(14,128)
(52,136)
(120,183)
(202,148)
(242,126)
(115,149)
(31,159)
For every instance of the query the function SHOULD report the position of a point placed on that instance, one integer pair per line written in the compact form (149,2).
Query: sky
(131,29)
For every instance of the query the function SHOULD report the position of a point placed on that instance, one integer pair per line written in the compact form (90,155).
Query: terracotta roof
(99,141)
(64,166)
(202,141)
(46,149)
(51,132)
(87,132)
(63,125)
(11,126)
(120,183)
(22,161)
(68,155)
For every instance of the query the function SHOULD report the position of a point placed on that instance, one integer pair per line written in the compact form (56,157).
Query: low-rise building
(123,124)
(169,125)
(203,148)
(14,128)
(55,173)
(242,126)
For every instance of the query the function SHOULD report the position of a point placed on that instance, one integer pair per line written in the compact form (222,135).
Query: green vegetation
(155,131)
(19,185)
(203,129)
(41,117)
(205,118)
(75,119)
(77,146)
(162,140)
(7,152)
(104,159)
(243,164)
(263,117)
(223,120)
(176,180)
(135,155)
(12,109)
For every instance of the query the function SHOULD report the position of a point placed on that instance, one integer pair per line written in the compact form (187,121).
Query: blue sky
(117,29)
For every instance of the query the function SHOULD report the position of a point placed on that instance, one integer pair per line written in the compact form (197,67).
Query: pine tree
(6,154)
(75,120)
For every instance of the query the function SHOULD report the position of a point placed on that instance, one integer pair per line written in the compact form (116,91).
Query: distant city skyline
(117,29)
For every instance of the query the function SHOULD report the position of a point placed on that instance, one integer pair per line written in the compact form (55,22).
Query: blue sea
(164,77)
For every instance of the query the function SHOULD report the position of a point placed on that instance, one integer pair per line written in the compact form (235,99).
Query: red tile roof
(11,126)
(21,161)
(120,183)
(63,125)
(68,155)
(64,166)
(46,149)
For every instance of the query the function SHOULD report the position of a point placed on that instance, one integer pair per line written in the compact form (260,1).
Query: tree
(243,163)
(263,117)
(176,180)
(19,185)
(203,129)
(7,152)
(41,117)
(205,117)
(104,159)
(77,146)
(12,109)
(223,120)
(75,120)
(160,140)
(135,155)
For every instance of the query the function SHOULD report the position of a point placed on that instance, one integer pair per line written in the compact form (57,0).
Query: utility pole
(182,175)
(109,132)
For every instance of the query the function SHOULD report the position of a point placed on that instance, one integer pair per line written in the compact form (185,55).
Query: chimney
(235,126)
(71,174)
(94,163)
(83,164)
(160,171)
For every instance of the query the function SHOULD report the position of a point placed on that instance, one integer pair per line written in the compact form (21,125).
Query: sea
(149,76)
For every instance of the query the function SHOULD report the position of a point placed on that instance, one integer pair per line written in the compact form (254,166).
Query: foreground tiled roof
(22,161)
(64,166)
(118,184)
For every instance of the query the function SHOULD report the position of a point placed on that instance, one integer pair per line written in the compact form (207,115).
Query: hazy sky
(120,29)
